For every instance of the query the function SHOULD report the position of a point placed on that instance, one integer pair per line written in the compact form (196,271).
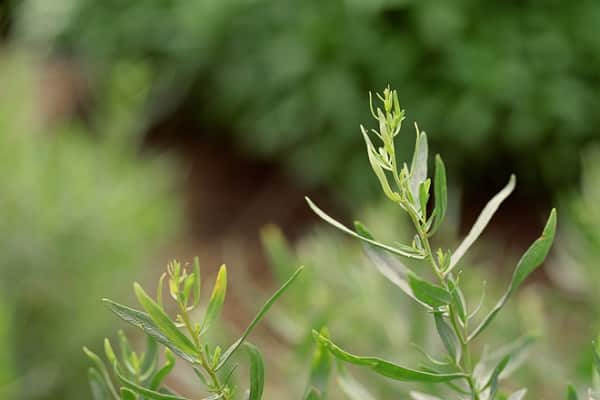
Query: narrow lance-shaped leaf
(447,336)
(147,393)
(162,373)
(98,386)
(101,373)
(150,356)
(257,373)
(571,393)
(376,165)
(418,168)
(386,368)
(533,258)
(144,322)
(127,394)
(217,299)
(440,191)
(484,218)
(163,322)
(406,251)
(261,313)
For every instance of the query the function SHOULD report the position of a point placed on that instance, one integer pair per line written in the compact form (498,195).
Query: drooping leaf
(351,387)
(428,293)
(217,299)
(257,373)
(441,194)
(163,322)
(531,259)
(484,218)
(383,367)
(261,313)
(406,251)
(144,322)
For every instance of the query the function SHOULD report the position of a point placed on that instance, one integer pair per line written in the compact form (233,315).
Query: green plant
(142,377)
(410,189)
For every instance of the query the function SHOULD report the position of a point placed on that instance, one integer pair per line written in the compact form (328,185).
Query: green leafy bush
(288,78)
(78,216)
(409,188)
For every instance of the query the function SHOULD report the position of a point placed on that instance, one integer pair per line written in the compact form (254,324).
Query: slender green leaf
(440,191)
(404,251)
(147,393)
(144,322)
(458,300)
(376,165)
(385,368)
(428,293)
(150,357)
(98,386)
(229,352)
(217,299)
(492,383)
(163,322)
(533,258)
(484,218)
(102,371)
(198,283)
(447,336)
(162,373)
(257,373)
(418,168)
(313,394)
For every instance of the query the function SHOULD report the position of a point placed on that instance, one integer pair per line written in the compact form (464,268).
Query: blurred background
(135,132)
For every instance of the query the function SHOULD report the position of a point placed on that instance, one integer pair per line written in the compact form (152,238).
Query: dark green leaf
(571,393)
(150,357)
(533,258)
(383,367)
(257,373)
(127,394)
(162,373)
(261,313)
(447,336)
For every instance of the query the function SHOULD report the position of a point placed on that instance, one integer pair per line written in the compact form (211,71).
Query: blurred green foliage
(498,81)
(79,215)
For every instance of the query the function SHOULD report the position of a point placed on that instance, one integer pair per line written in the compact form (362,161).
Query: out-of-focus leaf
(533,258)
(423,396)
(484,218)
(406,251)
(313,394)
(492,383)
(383,367)
(518,395)
(144,322)
(98,386)
(352,388)
(100,371)
(127,394)
(257,373)
(163,322)
(571,393)
(145,392)
(217,298)
(229,352)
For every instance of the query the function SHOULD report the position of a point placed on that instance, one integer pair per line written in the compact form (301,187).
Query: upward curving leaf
(418,168)
(440,190)
(533,258)
(257,373)
(217,298)
(386,368)
(261,313)
(484,218)
(406,251)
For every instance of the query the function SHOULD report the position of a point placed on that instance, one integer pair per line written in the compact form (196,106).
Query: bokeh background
(135,132)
